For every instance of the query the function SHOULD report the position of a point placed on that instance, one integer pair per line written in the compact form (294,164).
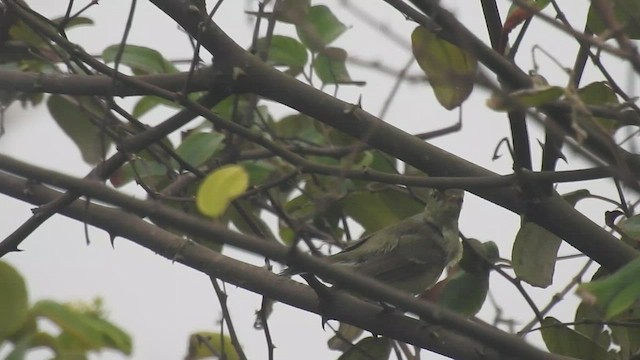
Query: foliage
(82,327)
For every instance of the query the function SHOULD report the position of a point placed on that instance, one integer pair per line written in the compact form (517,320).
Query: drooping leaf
(562,340)
(13,301)
(221,344)
(141,60)
(370,348)
(534,254)
(319,28)
(615,293)
(626,15)
(219,188)
(450,69)
(72,115)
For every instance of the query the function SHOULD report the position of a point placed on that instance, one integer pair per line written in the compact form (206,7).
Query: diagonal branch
(344,308)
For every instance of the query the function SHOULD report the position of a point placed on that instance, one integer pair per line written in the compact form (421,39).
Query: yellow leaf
(219,188)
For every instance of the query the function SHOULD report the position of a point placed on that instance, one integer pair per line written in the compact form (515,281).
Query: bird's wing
(410,259)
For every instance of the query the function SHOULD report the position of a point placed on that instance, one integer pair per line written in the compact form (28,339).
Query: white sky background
(159,303)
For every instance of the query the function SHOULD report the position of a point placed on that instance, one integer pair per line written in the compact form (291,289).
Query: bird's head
(443,206)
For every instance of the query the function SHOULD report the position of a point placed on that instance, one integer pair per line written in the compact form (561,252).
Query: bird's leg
(325,296)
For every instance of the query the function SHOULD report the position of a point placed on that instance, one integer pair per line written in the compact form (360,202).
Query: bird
(411,254)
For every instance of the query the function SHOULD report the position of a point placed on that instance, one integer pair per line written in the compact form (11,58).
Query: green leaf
(198,147)
(219,188)
(377,210)
(140,59)
(259,171)
(13,301)
(451,70)
(370,348)
(319,28)
(200,345)
(590,323)
(562,340)
(626,13)
(534,254)
(151,172)
(601,94)
(82,330)
(331,67)
(285,51)
(615,293)
(525,98)
(72,115)
(73,22)
(465,292)
(300,127)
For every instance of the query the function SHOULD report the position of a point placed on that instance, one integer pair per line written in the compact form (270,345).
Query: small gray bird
(411,254)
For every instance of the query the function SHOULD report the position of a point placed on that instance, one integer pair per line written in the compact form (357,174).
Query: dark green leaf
(13,301)
(72,115)
(140,59)
(562,340)
(465,292)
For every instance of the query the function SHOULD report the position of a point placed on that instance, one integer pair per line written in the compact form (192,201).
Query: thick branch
(507,344)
